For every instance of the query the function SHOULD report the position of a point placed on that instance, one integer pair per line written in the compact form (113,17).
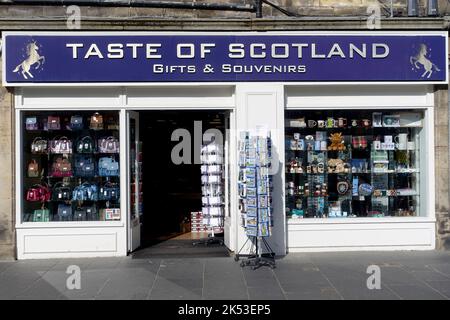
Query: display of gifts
(255,179)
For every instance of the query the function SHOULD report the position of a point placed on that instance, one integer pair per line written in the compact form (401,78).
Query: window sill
(362,220)
(70,224)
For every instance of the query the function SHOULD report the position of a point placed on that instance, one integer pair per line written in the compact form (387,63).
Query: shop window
(354,164)
(70,166)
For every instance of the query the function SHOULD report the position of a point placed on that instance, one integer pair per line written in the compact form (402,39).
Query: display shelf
(378,150)
(47,163)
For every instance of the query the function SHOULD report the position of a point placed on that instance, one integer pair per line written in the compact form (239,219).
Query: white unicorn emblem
(33,57)
(421,58)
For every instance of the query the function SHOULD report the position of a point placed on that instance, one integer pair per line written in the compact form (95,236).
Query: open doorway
(172,192)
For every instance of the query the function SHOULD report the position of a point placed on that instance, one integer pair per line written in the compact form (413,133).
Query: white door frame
(231,214)
(133,227)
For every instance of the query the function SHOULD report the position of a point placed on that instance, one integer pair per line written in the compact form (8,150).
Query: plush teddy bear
(337,142)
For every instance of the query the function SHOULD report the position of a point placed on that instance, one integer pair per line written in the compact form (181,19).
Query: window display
(71,166)
(357,163)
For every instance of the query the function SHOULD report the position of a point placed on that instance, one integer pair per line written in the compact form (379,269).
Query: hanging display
(71,171)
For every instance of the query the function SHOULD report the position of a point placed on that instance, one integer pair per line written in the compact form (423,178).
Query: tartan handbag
(79,214)
(38,193)
(33,169)
(61,192)
(41,215)
(85,145)
(31,123)
(111,123)
(53,123)
(108,167)
(96,122)
(61,145)
(61,167)
(64,212)
(39,145)
(85,192)
(76,122)
(84,166)
(108,145)
(109,191)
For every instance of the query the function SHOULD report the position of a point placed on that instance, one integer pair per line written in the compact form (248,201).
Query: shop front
(351,118)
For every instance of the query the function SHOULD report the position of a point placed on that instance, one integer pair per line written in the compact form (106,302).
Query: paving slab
(417,292)
(128,284)
(180,289)
(404,275)
(261,293)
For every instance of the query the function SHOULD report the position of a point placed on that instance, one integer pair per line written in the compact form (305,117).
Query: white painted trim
(362,220)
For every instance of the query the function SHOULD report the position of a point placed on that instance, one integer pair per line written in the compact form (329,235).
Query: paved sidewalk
(404,275)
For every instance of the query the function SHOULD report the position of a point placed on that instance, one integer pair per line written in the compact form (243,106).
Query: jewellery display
(68,175)
(353,164)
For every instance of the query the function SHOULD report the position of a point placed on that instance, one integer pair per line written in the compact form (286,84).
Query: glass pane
(357,163)
(71,166)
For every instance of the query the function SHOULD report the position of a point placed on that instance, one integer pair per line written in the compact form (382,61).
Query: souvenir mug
(377,145)
(330,123)
(342,122)
(355,123)
(401,141)
(321,123)
(318,145)
(312,123)
(388,139)
(301,144)
(366,123)
(302,122)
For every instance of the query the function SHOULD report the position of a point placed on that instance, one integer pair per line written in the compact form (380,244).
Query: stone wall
(441,132)
(7,235)
(302,8)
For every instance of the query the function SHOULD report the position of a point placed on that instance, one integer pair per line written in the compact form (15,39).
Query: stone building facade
(304,15)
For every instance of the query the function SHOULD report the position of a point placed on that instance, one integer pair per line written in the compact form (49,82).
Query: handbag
(111,123)
(64,212)
(61,145)
(359,142)
(76,122)
(96,122)
(39,145)
(31,123)
(84,166)
(108,145)
(53,123)
(108,167)
(86,213)
(61,192)
(109,191)
(79,214)
(85,192)
(92,213)
(61,167)
(38,193)
(41,215)
(85,145)
(33,169)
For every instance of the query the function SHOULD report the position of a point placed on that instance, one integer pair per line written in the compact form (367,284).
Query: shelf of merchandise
(295,176)
(45,164)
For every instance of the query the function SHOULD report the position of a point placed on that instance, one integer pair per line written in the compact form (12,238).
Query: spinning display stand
(212,193)
(255,198)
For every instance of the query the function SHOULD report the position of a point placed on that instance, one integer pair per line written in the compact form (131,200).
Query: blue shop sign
(43,58)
